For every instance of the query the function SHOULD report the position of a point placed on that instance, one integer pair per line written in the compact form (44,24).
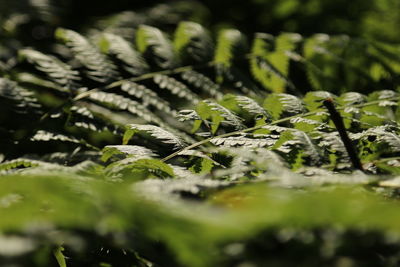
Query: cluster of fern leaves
(137,144)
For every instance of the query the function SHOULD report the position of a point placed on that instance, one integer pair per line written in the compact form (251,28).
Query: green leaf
(245,107)
(202,166)
(148,97)
(53,68)
(176,88)
(98,67)
(322,64)
(193,43)
(139,168)
(202,82)
(209,110)
(122,50)
(60,256)
(231,45)
(112,151)
(118,102)
(154,133)
(270,60)
(314,100)
(155,46)
(283,105)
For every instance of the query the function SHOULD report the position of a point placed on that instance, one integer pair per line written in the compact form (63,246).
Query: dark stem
(338,121)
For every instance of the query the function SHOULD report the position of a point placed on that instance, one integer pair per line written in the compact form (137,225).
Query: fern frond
(310,149)
(271,66)
(241,141)
(138,168)
(244,107)
(309,125)
(8,166)
(352,98)
(272,140)
(54,68)
(154,132)
(148,97)
(49,136)
(191,116)
(313,100)
(86,168)
(46,136)
(250,164)
(188,184)
(122,103)
(237,79)
(384,110)
(188,115)
(250,106)
(378,141)
(136,151)
(333,144)
(283,105)
(70,159)
(175,87)
(82,117)
(84,112)
(29,79)
(230,118)
(82,171)
(26,166)
(117,47)
(198,154)
(193,43)
(155,47)
(272,129)
(231,44)
(382,95)
(297,147)
(21,100)
(203,83)
(329,57)
(199,162)
(182,173)
(218,114)
(98,67)
(318,67)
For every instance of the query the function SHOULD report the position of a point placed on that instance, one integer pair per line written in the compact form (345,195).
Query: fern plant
(178,148)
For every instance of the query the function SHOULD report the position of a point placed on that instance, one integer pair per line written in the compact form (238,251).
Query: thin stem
(338,121)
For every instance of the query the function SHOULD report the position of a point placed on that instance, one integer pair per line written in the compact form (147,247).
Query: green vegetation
(169,136)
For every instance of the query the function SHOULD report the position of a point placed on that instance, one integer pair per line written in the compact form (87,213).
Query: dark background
(369,18)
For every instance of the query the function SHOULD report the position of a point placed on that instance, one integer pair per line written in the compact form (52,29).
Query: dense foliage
(149,138)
